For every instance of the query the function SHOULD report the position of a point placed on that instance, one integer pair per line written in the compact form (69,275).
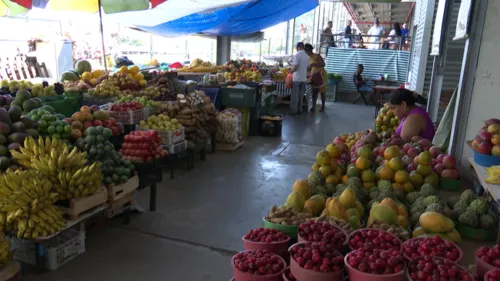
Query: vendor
(414,120)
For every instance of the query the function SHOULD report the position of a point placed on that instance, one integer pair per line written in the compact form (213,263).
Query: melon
(82,66)
(69,76)
(29,105)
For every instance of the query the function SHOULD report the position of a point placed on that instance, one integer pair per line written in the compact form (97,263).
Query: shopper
(317,67)
(395,35)
(348,35)
(327,39)
(404,33)
(376,31)
(415,121)
(300,63)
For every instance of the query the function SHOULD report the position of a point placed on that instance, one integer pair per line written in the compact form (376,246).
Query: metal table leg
(152,197)
(40,256)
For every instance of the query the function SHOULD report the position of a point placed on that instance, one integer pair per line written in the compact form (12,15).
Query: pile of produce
(286,216)
(386,122)
(489,255)
(270,264)
(342,224)
(144,100)
(161,123)
(487,141)
(437,224)
(425,268)
(50,124)
(471,210)
(89,117)
(370,239)
(163,84)
(241,71)
(314,256)
(142,146)
(389,212)
(400,232)
(266,235)
(198,65)
(378,262)
(434,246)
(315,231)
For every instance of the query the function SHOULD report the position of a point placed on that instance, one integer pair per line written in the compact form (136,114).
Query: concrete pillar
(223,49)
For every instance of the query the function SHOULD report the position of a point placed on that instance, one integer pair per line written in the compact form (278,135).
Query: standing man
(377,30)
(300,64)
(327,37)
(348,35)
(404,33)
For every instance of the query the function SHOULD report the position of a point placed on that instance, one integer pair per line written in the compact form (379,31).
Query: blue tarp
(238,20)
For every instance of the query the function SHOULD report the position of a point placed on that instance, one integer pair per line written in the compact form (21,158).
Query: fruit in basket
(493,275)
(487,141)
(386,122)
(436,222)
(379,262)
(433,246)
(489,255)
(317,257)
(435,268)
(265,235)
(313,231)
(286,216)
(159,122)
(106,88)
(142,146)
(269,264)
(127,106)
(49,124)
(369,239)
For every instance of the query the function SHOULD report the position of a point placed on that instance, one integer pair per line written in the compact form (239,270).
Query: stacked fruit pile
(142,146)
(386,122)
(50,124)
(89,117)
(435,268)
(144,100)
(470,210)
(435,246)
(377,262)
(160,122)
(487,141)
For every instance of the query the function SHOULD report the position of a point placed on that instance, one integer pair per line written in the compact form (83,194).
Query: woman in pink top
(414,120)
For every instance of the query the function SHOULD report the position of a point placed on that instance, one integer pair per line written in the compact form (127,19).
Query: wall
(485,95)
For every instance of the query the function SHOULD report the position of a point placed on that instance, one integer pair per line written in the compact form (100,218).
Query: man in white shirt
(376,30)
(300,63)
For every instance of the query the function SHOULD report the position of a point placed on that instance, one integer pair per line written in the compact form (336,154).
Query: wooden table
(493,190)
(385,82)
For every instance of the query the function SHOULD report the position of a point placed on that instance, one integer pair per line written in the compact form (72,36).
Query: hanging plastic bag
(289,81)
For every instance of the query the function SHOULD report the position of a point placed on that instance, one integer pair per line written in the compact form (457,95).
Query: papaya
(454,236)
(403,221)
(436,222)
(316,204)
(355,222)
(402,211)
(295,201)
(336,209)
(348,198)
(383,213)
(390,203)
(419,231)
(352,212)
(360,208)
(302,187)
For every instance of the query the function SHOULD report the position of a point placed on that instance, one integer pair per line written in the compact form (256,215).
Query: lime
(67,129)
(35,117)
(60,129)
(51,130)
(56,136)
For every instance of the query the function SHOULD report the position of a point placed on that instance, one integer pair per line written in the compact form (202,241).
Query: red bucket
(279,248)
(239,275)
(495,272)
(374,229)
(408,277)
(356,275)
(303,274)
(483,267)
(461,253)
(300,239)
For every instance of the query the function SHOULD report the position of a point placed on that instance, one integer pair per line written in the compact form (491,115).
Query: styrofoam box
(177,148)
(60,250)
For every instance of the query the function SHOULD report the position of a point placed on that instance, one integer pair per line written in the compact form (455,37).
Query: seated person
(358,80)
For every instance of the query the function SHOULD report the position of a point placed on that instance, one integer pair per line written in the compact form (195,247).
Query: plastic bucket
(303,274)
(344,245)
(487,275)
(477,234)
(408,277)
(460,255)
(485,160)
(448,184)
(380,230)
(290,230)
(483,267)
(243,276)
(356,275)
(279,248)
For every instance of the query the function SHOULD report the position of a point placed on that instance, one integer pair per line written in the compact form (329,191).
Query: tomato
(126,138)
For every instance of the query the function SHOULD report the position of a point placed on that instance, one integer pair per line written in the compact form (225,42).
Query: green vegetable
(412,196)
(427,190)
(469,218)
(468,196)
(384,185)
(430,200)
(479,206)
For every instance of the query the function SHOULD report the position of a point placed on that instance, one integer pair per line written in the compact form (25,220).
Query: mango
(436,222)
(352,212)
(302,187)
(390,203)
(454,236)
(402,221)
(355,222)
(316,204)
(295,201)
(402,211)
(348,198)
(336,209)
(419,231)
(360,208)
(383,213)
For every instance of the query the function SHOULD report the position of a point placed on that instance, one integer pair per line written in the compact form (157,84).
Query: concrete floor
(202,214)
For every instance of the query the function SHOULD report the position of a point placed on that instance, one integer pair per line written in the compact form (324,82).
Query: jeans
(365,88)
(298,92)
(347,43)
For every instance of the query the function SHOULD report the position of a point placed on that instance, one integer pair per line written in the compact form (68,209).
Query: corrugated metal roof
(375,62)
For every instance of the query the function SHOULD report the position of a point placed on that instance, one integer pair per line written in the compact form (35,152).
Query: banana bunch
(492,175)
(81,182)
(49,156)
(4,250)
(41,223)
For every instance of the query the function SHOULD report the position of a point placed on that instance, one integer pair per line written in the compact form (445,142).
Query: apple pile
(92,117)
(493,275)
(265,235)
(142,146)
(370,239)
(436,268)
(377,261)
(127,106)
(317,231)
(258,262)
(434,246)
(317,257)
(489,255)
(487,141)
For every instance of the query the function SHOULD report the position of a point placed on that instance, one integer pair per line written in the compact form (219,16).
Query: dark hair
(308,47)
(361,66)
(397,28)
(300,45)
(399,96)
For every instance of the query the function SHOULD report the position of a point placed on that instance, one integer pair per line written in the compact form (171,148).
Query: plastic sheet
(237,20)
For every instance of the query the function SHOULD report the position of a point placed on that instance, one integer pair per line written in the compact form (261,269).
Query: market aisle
(202,214)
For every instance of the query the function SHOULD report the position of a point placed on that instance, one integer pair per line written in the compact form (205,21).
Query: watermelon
(82,66)
(69,76)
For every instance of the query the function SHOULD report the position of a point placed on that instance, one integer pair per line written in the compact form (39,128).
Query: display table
(493,190)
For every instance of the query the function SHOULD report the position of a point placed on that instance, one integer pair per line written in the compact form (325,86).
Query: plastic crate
(172,137)
(238,97)
(128,117)
(59,250)
(269,127)
(148,111)
(176,148)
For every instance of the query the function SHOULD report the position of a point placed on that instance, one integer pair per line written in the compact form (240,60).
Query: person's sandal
(322,109)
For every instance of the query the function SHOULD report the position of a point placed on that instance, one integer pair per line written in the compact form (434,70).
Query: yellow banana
(19,156)
(48,144)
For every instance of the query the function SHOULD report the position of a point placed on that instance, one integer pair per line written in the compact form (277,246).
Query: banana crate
(76,207)
(61,249)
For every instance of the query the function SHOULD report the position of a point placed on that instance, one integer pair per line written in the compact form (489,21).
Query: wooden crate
(79,206)
(119,206)
(115,192)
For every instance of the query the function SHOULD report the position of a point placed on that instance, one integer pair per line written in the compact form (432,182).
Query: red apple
(491,121)
(94,108)
(97,123)
(87,124)
(440,157)
(113,120)
(382,150)
(453,174)
(107,123)
(406,147)
(449,162)
(484,148)
(434,162)
(114,130)
(439,168)
(338,140)
(68,120)
(484,136)
(435,151)
(413,152)
(425,143)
